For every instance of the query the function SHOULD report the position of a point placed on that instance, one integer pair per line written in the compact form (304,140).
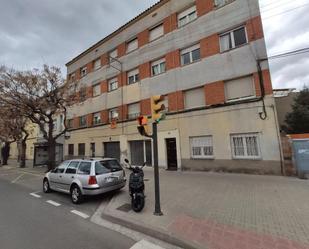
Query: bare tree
(12,129)
(40,96)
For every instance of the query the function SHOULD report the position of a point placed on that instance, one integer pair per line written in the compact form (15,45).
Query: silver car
(81,177)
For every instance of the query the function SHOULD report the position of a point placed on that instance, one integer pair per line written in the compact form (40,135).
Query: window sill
(152,76)
(232,49)
(240,99)
(203,158)
(179,27)
(248,158)
(113,90)
(184,65)
(150,41)
(219,7)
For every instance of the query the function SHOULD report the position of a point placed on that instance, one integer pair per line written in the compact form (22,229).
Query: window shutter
(239,88)
(156,32)
(194,98)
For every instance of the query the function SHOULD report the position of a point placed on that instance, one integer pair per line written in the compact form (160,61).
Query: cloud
(33,32)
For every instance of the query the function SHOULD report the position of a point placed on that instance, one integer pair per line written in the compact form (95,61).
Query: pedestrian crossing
(144,244)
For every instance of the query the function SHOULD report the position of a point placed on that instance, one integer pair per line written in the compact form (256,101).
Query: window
(133,76)
(132,45)
(245,146)
(92,149)
(187,16)
(71,149)
(97,118)
(61,167)
(190,55)
(201,147)
(70,123)
(97,64)
(81,149)
(233,39)
(219,3)
(158,67)
(113,54)
(82,94)
(156,32)
(112,84)
(111,165)
(96,90)
(82,121)
(194,98)
(113,114)
(238,89)
(83,71)
(84,168)
(133,110)
(72,167)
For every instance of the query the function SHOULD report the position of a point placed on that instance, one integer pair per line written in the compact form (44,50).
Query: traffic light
(143,125)
(157,108)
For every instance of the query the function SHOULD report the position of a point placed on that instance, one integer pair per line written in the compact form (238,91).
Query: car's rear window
(84,168)
(107,166)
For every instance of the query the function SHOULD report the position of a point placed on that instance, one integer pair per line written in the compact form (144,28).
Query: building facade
(204,57)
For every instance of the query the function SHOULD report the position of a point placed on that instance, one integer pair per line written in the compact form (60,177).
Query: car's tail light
(92,180)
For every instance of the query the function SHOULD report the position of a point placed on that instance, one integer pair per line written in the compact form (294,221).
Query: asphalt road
(29,222)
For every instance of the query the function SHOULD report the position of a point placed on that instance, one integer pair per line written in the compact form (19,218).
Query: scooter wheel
(138,202)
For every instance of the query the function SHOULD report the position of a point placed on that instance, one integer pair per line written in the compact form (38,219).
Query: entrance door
(171,150)
(112,149)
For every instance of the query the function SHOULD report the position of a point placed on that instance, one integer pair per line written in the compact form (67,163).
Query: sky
(37,32)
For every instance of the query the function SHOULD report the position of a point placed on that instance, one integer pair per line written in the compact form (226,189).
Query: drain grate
(125,207)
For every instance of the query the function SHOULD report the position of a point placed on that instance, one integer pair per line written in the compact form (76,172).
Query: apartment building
(203,56)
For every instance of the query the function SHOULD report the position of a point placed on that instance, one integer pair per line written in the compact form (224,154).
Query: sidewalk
(221,211)
(13,164)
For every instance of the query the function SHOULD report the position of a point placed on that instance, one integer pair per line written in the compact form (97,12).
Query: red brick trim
(214,93)
(210,46)
(145,107)
(144,70)
(170,23)
(104,87)
(175,101)
(172,60)
(143,38)
(204,6)
(267,83)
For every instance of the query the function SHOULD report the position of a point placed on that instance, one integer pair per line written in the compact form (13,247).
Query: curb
(170,239)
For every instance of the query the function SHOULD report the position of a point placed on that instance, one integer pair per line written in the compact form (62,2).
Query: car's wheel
(76,194)
(46,187)
(138,202)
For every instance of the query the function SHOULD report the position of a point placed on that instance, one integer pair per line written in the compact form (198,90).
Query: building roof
(123,27)
(283,92)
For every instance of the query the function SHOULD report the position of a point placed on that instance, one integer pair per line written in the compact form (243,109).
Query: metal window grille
(245,146)
(202,147)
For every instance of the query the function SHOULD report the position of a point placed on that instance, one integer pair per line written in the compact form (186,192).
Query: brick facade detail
(122,49)
(204,6)
(267,83)
(104,87)
(144,70)
(89,92)
(176,101)
(123,112)
(89,119)
(254,29)
(104,117)
(145,107)
(143,38)
(170,23)
(210,46)
(172,60)
(214,93)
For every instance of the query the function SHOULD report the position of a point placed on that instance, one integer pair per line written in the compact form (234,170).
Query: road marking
(17,178)
(35,195)
(83,215)
(145,244)
(56,204)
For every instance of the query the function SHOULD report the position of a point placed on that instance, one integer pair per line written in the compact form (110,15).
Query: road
(29,221)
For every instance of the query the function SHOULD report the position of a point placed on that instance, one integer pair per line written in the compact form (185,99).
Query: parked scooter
(136,187)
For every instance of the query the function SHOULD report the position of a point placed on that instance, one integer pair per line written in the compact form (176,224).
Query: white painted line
(17,178)
(56,204)
(35,195)
(145,244)
(83,215)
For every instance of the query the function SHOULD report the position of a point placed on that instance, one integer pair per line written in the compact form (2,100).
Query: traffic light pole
(157,211)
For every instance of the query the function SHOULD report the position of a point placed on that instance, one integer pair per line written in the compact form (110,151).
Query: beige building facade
(205,57)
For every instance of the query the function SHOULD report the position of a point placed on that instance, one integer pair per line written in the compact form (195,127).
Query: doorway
(171,151)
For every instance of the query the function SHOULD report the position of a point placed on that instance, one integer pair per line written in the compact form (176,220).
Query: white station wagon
(80,177)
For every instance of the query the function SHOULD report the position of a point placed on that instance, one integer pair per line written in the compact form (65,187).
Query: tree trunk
(5,153)
(51,154)
(23,147)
